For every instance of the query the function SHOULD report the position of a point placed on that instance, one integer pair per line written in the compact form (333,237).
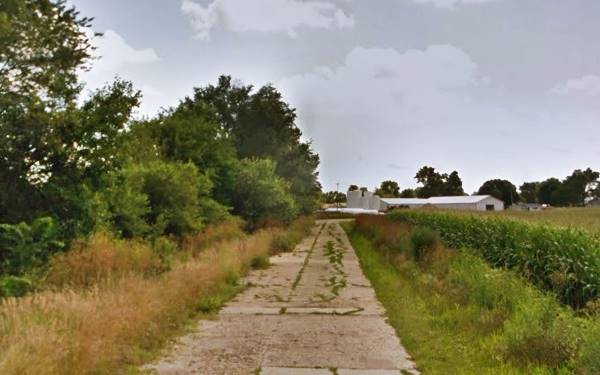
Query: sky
(491,88)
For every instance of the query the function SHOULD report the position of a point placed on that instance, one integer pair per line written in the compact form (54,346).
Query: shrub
(565,261)
(102,258)
(282,242)
(423,240)
(165,250)
(161,198)
(260,262)
(13,286)
(24,246)
(260,195)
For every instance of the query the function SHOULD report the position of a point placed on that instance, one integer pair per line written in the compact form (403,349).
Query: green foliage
(572,191)
(488,320)
(165,249)
(260,262)
(160,198)
(388,189)
(565,261)
(13,286)
(423,240)
(262,125)
(408,193)
(334,197)
(24,246)
(436,184)
(260,195)
(529,192)
(500,189)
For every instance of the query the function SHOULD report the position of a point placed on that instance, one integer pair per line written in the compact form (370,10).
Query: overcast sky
(492,88)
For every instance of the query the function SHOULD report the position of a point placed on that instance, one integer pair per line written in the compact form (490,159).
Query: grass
(101,321)
(457,315)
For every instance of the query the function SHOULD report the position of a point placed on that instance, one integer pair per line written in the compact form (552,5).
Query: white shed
(465,202)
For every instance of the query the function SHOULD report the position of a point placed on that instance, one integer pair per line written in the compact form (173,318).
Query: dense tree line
(574,190)
(71,167)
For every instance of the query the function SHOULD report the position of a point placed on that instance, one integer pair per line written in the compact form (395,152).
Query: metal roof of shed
(462,199)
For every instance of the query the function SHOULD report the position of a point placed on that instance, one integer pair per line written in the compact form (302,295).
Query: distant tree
(334,197)
(435,184)
(453,185)
(388,189)
(529,192)
(547,191)
(364,190)
(353,187)
(577,187)
(408,193)
(501,189)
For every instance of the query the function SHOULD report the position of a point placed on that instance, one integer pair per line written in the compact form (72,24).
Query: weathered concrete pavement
(312,312)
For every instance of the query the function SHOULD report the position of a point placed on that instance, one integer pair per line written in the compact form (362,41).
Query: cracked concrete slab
(312,311)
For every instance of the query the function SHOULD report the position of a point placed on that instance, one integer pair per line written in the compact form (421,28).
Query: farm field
(578,217)
(456,313)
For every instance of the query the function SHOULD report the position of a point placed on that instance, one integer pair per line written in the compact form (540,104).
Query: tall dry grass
(104,328)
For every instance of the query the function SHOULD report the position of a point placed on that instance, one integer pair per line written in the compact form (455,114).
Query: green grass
(457,315)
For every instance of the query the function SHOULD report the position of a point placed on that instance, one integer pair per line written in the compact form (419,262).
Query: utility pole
(337,195)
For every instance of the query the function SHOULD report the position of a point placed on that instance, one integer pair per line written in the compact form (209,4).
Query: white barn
(466,202)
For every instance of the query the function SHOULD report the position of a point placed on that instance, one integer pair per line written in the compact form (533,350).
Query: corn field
(565,261)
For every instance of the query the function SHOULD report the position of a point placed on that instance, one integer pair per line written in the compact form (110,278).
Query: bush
(282,243)
(161,198)
(260,262)
(103,258)
(260,195)
(423,240)
(565,261)
(24,246)
(12,286)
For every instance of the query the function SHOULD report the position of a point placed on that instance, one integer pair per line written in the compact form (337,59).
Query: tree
(334,197)
(435,184)
(501,189)
(454,185)
(353,188)
(261,125)
(529,192)
(576,188)
(547,191)
(191,133)
(408,193)
(260,195)
(388,189)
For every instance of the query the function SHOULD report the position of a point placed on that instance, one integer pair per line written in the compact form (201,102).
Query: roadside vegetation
(109,304)
(457,314)
(116,230)
(564,261)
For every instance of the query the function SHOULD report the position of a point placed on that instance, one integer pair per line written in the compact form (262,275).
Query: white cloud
(452,3)
(116,57)
(384,114)
(587,85)
(265,16)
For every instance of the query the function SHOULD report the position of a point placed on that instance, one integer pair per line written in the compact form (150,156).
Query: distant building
(368,201)
(466,202)
(527,207)
(364,200)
